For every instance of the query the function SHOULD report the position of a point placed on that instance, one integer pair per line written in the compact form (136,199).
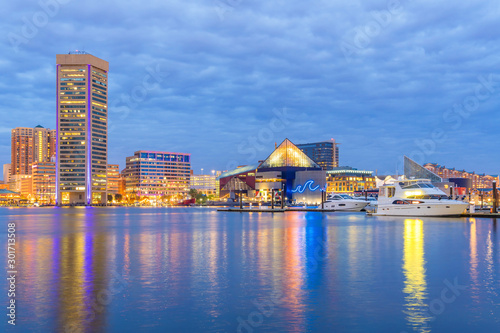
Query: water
(198,270)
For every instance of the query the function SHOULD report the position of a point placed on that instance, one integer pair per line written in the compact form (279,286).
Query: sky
(224,80)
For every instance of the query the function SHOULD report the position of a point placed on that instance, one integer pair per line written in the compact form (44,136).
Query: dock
(298,209)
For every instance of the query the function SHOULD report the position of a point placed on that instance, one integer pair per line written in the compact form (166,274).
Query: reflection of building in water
(293,274)
(83,283)
(415,284)
(473,261)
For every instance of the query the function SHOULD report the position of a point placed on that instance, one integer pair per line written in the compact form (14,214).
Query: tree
(110,197)
(118,197)
(193,193)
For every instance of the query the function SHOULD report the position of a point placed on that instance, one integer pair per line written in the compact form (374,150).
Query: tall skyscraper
(31,145)
(82,129)
(44,144)
(21,151)
(325,153)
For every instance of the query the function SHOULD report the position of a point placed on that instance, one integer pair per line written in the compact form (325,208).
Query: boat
(416,197)
(344,202)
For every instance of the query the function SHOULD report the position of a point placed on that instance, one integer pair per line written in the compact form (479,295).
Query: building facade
(21,150)
(44,182)
(22,184)
(30,145)
(6,173)
(113,179)
(325,153)
(205,184)
(478,181)
(155,175)
(287,173)
(82,129)
(349,180)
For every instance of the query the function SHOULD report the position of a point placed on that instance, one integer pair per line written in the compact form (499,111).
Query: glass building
(287,172)
(157,174)
(82,129)
(325,153)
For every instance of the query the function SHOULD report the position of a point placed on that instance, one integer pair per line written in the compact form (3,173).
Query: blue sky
(228,78)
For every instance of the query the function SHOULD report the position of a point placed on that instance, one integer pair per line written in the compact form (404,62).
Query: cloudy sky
(225,79)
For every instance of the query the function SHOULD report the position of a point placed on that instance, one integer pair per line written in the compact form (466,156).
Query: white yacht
(416,197)
(343,202)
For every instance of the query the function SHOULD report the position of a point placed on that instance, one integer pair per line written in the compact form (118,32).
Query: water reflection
(415,285)
(198,271)
(473,260)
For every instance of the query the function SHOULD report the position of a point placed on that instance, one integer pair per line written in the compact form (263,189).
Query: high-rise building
(30,145)
(82,129)
(21,150)
(157,174)
(44,144)
(113,176)
(325,153)
(6,173)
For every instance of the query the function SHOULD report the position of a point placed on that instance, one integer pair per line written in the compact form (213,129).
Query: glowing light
(413,193)
(301,189)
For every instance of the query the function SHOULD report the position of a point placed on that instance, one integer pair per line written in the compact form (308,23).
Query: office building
(113,177)
(82,129)
(325,153)
(44,182)
(205,184)
(155,175)
(22,184)
(349,180)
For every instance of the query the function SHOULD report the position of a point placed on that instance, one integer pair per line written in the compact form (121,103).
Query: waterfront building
(8,197)
(478,181)
(324,153)
(21,150)
(22,184)
(44,182)
(6,173)
(205,184)
(113,179)
(82,129)
(122,183)
(286,172)
(349,180)
(30,145)
(157,175)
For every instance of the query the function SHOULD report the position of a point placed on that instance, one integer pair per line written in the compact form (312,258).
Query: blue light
(301,189)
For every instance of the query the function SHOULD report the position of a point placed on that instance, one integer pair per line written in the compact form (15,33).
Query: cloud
(224,76)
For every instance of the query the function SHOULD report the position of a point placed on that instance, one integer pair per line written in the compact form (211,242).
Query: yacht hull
(424,209)
(355,206)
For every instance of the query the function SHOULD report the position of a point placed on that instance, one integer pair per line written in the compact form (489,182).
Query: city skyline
(217,79)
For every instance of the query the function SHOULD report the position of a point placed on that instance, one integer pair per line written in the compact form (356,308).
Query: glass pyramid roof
(288,155)
(413,170)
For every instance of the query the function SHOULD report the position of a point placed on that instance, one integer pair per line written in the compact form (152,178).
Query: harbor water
(199,270)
